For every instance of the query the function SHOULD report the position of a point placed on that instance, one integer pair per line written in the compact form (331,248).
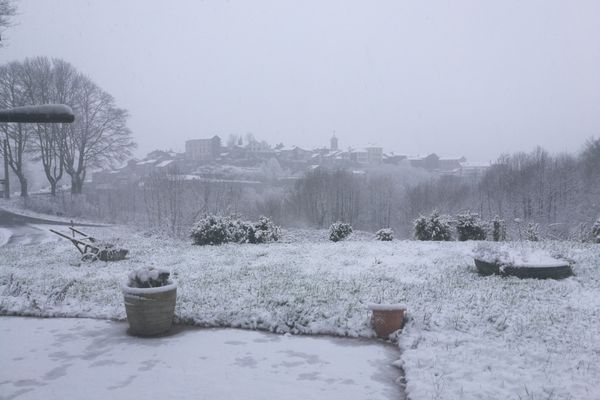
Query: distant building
(294,153)
(203,149)
(394,159)
(450,163)
(374,155)
(473,169)
(255,146)
(430,162)
(360,156)
(333,143)
(368,155)
(434,163)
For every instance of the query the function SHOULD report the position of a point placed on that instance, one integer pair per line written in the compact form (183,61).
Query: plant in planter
(149,301)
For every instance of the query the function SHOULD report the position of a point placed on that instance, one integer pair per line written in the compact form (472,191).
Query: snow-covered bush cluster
(435,227)
(596,231)
(470,227)
(264,231)
(498,229)
(148,278)
(214,230)
(339,231)
(532,232)
(385,235)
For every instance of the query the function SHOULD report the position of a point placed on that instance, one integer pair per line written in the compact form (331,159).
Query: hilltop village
(249,161)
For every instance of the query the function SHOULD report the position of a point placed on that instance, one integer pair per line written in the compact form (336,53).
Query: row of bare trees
(99,137)
(368,200)
(560,192)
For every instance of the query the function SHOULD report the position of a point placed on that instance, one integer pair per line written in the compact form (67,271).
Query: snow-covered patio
(84,358)
(467,337)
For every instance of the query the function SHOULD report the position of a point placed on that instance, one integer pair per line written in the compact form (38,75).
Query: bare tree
(40,83)
(18,136)
(7,11)
(99,137)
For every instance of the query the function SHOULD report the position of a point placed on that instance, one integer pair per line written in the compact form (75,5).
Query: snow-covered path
(94,359)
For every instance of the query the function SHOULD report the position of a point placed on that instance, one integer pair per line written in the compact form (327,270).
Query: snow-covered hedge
(264,231)
(596,231)
(532,232)
(339,231)
(148,278)
(470,227)
(214,230)
(435,227)
(385,234)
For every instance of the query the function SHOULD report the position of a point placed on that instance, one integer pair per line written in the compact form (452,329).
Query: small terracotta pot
(387,318)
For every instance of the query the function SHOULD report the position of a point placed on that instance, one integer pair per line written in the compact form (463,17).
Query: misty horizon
(467,80)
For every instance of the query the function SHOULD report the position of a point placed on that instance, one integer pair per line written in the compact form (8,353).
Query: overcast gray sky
(474,78)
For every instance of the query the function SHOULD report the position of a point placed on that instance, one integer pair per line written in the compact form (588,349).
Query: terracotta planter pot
(387,318)
(150,311)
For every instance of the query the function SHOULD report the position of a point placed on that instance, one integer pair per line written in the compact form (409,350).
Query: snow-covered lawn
(468,337)
(92,359)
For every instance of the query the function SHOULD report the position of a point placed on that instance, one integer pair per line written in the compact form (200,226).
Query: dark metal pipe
(46,113)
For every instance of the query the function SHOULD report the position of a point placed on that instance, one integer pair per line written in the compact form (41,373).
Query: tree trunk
(23,183)
(76,184)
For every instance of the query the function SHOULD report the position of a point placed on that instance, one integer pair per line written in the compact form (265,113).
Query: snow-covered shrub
(148,278)
(532,232)
(214,229)
(264,231)
(470,227)
(498,229)
(596,231)
(435,227)
(422,228)
(339,231)
(385,234)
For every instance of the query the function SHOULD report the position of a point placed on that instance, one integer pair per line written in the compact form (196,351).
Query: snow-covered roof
(163,164)
(147,162)
(215,180)
(475,164)
(451,158)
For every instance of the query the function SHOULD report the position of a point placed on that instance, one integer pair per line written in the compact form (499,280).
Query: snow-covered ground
(468,337)
(92,359)
(5,235)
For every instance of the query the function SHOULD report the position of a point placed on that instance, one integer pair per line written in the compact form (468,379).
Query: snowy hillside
(468,337)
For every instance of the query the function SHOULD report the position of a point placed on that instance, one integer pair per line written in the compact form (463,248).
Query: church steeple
(333,143)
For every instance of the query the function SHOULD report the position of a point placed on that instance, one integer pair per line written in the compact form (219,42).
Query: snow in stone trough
(467,336)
